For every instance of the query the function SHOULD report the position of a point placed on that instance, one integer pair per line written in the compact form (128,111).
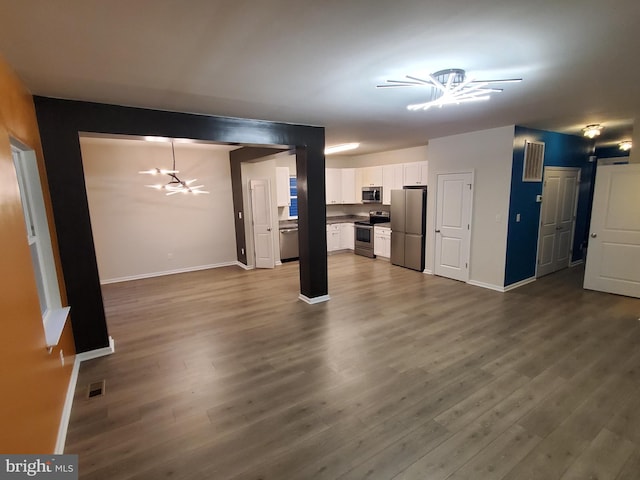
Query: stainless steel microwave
(371,194)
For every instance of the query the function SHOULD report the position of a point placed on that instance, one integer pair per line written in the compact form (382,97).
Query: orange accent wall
(33,383)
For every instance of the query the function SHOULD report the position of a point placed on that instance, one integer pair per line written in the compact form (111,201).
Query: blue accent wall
(522,238)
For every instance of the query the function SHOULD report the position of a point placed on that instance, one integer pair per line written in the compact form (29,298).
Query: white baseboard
(576,263)
(167,272)
(99,352)
(71,390)
(499,288)
(526,281)
(427,271)
(489,286)
(314,300)
(246,267)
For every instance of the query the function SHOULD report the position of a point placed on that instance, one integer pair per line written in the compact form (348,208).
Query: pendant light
(175,184)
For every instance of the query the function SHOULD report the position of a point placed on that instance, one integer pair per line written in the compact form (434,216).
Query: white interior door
(453,225)
(262,223)
(557,218)
(613,256)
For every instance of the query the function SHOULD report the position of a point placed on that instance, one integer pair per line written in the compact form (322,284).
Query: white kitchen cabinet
(392,179)
(333,237)
(333,185)
(347,236)
(372,176)
(416,173)
(282,187)
(382,242)
(351,185)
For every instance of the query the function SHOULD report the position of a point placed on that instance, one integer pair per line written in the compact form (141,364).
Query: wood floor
(224,374)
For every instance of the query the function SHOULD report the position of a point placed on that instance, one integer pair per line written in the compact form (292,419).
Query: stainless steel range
(364,233)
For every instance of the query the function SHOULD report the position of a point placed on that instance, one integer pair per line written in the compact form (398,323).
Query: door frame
(575,211)
(472,172)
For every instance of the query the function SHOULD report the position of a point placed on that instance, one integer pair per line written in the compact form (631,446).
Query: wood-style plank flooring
(224,374)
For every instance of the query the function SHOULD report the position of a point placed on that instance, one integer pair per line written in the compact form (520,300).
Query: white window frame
(54,315)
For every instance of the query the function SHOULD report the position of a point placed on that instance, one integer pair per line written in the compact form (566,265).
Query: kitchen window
(293,197)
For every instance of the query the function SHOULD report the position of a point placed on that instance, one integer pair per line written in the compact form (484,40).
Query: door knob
(268,229)
(437,231)
(594,235)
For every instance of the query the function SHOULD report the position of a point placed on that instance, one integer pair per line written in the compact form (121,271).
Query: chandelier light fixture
(593,130)
(450,86)
(175,184)
(625,146)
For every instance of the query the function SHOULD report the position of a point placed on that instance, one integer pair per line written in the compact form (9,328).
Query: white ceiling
(318,62)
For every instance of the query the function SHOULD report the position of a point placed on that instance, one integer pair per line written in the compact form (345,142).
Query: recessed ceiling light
(340,148)
(450,86)
(592,131)
(626,145)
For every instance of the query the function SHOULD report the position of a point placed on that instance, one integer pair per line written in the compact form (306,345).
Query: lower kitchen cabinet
(382,242)
(333,237)
(340,236)
(347,236)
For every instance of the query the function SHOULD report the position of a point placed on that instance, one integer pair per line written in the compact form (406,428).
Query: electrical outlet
(517,217)
(242,251)
(240,215)
(62,357)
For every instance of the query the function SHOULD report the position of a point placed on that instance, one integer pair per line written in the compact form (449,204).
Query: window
(293,197)
(39,240)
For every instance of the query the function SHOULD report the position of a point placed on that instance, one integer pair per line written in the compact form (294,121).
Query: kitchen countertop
(346,219)
(385,225)
(330,220)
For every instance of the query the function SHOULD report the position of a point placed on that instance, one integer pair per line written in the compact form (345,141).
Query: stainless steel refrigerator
(408,225)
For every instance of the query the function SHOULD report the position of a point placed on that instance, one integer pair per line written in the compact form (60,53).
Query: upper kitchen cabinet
(282,187)
(372,177)
(343,185)
(351,185)
(333,179)
(415,173)
(392,179)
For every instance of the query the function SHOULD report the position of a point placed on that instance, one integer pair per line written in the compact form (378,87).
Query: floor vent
(95,389)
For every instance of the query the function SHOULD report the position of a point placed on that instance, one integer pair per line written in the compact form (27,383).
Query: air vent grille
(533,161)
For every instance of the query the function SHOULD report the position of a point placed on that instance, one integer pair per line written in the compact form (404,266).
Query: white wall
(405,155)
(488,153)
(140,232)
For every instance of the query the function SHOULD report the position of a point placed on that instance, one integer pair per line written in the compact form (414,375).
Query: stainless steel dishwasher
(288,243)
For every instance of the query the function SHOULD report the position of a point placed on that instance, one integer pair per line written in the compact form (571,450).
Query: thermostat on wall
(538,198)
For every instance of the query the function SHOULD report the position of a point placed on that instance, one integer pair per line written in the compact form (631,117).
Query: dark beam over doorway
(62,121)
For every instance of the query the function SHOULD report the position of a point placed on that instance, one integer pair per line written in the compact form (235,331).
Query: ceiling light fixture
(450,86)
(340,148)
(625,146)
(592,131)
(174,185)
